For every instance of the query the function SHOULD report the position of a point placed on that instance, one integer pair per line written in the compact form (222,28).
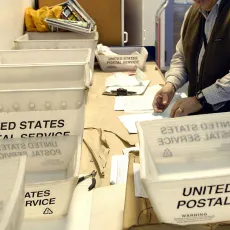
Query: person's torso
(205,66)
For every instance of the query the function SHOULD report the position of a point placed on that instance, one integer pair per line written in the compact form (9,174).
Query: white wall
(12,21)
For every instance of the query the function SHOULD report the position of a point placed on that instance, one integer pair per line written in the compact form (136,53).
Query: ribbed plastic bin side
(58,61)
(59,40)
(43,118)
(71,74)
(45,56)
(127,59)
(12,193)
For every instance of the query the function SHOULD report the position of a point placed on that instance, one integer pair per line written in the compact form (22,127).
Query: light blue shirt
(215,94)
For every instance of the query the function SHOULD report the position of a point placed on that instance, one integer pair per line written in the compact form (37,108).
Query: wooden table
(100,114)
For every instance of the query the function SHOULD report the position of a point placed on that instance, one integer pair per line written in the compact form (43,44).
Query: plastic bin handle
(88,76)
(144,32)
(126,37)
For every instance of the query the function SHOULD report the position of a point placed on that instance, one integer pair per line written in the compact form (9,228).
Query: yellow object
(34,19)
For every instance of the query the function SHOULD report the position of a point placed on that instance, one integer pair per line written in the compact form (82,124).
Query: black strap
(203,33)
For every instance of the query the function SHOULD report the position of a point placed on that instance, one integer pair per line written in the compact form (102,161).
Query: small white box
(124,61)
(12,177)
(54,63)
(59,40)
(185,168)
(42,116)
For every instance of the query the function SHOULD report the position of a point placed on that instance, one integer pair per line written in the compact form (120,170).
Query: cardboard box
(137,211)
(108,17)
(42,3)
(106,14)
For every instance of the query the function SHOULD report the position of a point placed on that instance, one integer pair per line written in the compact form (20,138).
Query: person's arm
(177,74)
(218,93)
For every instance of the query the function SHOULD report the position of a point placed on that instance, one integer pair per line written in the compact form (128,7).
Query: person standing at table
(202,59)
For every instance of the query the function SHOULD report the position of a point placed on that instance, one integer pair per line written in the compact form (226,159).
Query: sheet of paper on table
(139,189)
(140,103)
(129,121)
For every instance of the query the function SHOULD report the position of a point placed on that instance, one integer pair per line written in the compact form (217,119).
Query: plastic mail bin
(185,168)
(12,176)
(42,116)
(59,40)
(52,62)
(127,59)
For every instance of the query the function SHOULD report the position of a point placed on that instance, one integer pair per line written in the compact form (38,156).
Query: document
(139,104)
(119,169)
(139,189)
(146,114)
(143,104)
(129,121)
(119,104)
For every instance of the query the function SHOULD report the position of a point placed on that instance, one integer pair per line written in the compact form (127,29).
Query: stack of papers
(105,50)
(130,82)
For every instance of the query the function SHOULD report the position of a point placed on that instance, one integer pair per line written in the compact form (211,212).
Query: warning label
(167,153)
(48,211)
(39,198)
(196,217)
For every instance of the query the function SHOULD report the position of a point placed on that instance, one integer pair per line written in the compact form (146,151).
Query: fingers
(165,99)
(174,109)
(179,113)
(177,110)
(157,104)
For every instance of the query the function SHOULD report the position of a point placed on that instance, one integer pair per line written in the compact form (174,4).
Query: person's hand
(185,106)
(163,98)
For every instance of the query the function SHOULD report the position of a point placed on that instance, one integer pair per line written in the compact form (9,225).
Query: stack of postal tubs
(43,90)
(60,40)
